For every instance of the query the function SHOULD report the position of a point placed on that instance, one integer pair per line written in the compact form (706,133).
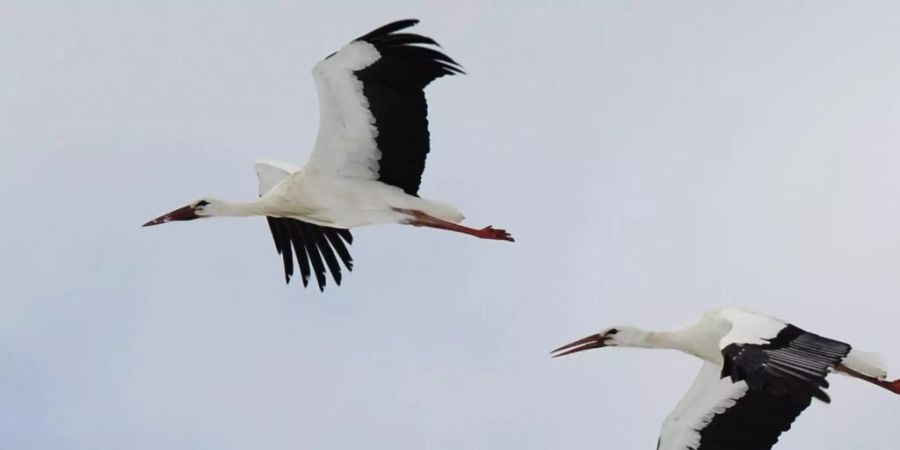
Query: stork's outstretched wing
(373,114)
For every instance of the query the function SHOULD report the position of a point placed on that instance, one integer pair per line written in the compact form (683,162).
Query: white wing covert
(270,173)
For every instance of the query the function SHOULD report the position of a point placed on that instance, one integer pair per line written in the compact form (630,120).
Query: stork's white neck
(222,208)
(641,338)
(673,340)
(691,340)
(683,339)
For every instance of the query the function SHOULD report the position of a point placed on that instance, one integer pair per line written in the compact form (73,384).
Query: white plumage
(368,159)
(345,145)
(759,374)
(270,173)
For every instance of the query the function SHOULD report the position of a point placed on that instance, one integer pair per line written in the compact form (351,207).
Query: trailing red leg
(893,386)
(421,219)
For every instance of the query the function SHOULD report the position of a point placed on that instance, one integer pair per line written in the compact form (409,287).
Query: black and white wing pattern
(373,114)
(767,379)
(318,249)
(708,396)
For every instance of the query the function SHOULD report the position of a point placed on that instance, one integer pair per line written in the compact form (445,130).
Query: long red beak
(185,213)
(592,341)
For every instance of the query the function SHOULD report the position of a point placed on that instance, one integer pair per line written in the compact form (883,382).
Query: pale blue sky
(653,159)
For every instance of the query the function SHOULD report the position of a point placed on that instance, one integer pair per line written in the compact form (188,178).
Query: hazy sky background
(653,159)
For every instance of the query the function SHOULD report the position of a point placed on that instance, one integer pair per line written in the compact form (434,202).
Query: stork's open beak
(185,213)
(593,341)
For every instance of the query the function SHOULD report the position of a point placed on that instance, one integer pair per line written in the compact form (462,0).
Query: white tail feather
(866,363)
(442,211)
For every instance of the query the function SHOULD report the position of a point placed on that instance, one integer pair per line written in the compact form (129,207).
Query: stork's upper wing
(785,361)
(373,114)
(771,372)
(315,246)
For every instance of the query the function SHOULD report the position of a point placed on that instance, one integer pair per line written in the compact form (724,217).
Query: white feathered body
(344,202)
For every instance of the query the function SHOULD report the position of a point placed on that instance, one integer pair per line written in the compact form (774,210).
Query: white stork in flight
(758,375)
(367,162)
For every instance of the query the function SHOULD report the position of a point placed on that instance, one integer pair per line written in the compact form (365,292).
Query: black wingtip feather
(341,250)
(329,257)
(407,39)
(298,241)
(385,39)
(281,236)
(394,88)
(315,248)
(315,258)
(821,395)
(385,30)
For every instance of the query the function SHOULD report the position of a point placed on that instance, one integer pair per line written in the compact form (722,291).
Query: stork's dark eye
(611,331)
(201,203)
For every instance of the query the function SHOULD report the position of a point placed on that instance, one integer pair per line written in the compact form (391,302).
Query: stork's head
(618,336)
(205,207)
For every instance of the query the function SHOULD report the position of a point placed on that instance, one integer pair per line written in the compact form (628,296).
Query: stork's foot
(490,232)
(893,386)
(420,219)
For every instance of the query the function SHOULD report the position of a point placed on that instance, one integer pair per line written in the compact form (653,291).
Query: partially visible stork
(368,159)
(759,374)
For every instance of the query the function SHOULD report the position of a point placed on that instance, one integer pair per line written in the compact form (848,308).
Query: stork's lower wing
(778,357)
(793,364)
(720,414)
(318,249)
(315,247)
